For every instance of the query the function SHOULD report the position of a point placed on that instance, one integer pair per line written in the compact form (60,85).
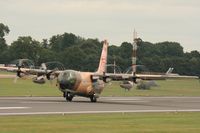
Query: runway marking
(42,102)
(101,112)
(122,99)
(14,107)
(128,101)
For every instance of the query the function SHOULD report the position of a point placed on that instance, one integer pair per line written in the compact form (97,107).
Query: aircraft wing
(113,76)
(29,71)
(10,69)
(181,77)
(146,76)
(164,76)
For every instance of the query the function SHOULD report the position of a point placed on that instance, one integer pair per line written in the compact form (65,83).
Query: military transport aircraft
(87,84)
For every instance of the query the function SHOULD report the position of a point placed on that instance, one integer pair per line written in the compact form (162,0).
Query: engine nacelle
(98,86)
(39,80)
(127,85)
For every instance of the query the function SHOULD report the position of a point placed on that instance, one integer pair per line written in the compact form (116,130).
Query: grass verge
(166,88)
(103,123)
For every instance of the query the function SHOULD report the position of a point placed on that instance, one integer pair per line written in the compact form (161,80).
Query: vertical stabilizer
(103,59)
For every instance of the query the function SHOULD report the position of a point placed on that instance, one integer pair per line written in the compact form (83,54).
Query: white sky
(154,20)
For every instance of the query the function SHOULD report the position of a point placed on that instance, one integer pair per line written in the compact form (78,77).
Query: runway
(58,105)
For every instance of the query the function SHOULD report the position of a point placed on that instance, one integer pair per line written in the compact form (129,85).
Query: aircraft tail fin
(103,59)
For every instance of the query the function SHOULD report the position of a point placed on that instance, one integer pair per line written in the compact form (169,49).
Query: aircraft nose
(67,80)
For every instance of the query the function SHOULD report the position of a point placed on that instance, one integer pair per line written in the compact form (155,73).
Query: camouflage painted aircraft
(75,83)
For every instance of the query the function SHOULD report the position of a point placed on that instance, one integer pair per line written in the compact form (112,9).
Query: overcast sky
(154,20)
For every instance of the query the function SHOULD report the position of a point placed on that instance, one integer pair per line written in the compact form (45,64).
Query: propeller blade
(15,79)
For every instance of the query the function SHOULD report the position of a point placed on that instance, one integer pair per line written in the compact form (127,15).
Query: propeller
(22,63)
(19,73)
(15,79)
(146,85)
(127,85)
(51,76)
(47,75)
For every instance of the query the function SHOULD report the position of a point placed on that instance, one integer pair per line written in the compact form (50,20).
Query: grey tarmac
(79,105)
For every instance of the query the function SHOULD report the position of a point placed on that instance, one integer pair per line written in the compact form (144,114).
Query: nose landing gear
(68,96)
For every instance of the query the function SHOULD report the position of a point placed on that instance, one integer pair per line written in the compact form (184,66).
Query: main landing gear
(68,96)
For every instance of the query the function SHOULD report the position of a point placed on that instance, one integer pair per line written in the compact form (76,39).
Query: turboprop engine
(127,85)
(39,80)
(97,84)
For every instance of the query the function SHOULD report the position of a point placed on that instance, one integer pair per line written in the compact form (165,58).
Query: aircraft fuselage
(79,83)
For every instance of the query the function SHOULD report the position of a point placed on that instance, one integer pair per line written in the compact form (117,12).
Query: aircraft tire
(68,97)
(93,99)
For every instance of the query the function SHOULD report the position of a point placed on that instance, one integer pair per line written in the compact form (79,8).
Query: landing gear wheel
(69,97)
(93,99)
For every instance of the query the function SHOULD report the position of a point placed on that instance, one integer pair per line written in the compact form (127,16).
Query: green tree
(47,55)
(170,49)
(45,44)
(73,58)
(25,47)
(60,42)
(4,30)
(83,54)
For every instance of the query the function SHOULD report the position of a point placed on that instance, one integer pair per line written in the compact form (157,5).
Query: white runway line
(128,101)
(123,99)
(100,112)
(43,102)
(14,107)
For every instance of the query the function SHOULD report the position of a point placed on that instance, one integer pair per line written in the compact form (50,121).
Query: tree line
(82,54)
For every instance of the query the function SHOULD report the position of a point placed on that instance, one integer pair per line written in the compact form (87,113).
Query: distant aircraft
(75,83)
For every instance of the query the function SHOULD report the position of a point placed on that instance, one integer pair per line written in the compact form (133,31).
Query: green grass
(166,88)
(103,123)
(185,87)
(25,87)
(5,72)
